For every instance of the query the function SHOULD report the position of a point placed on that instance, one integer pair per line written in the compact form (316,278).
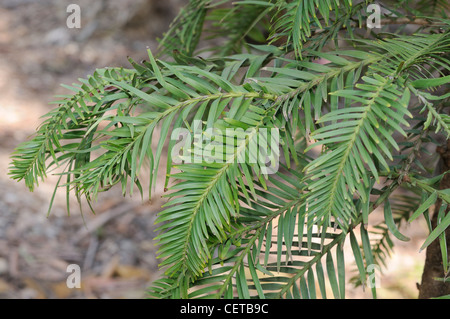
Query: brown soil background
(115,248)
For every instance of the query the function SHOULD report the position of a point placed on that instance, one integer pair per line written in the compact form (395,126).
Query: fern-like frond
(92,98)
(296,19)
(186,29)
(416,56)
(208,191)
(239,25)
(271,253)
(356,137)
(280,156)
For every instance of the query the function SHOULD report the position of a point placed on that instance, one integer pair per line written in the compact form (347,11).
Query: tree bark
(433,268)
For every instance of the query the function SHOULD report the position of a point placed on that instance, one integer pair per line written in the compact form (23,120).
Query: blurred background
(114,247)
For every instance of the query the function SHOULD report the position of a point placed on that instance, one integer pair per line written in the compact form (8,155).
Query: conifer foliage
(346,115)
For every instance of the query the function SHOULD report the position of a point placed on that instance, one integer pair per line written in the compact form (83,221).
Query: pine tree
(301,121)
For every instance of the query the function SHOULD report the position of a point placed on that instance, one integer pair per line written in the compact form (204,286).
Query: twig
(91,252)
(408,20)
(102,219)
